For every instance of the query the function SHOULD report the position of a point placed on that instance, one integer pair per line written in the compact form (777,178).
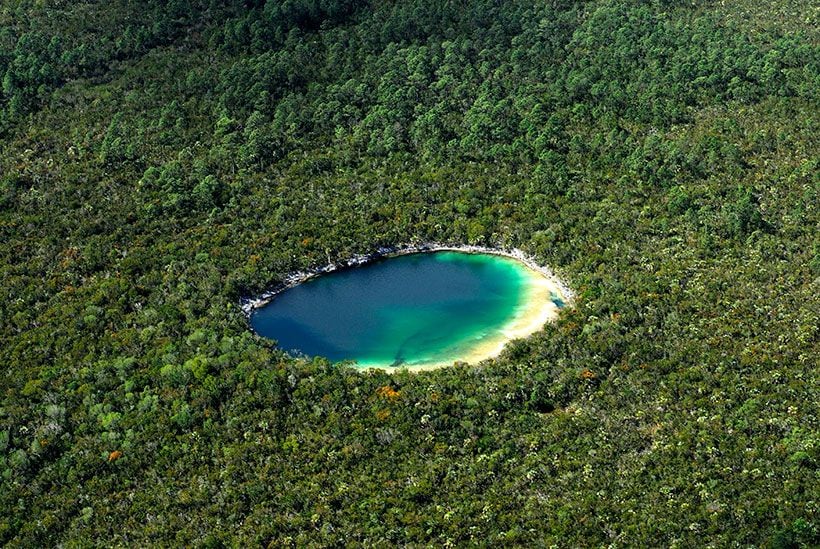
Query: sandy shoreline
(536,310)
(537,307)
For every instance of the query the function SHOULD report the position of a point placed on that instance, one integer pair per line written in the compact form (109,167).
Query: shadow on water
(432,342)
(301,338)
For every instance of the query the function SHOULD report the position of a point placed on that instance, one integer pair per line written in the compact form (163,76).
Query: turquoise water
(410,310)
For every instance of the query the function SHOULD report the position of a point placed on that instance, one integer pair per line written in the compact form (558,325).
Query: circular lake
(423,310)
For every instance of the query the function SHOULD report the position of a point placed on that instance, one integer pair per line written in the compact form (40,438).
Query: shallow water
(414,310)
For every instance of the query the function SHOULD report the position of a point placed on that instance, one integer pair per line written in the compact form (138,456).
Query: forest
(161,161)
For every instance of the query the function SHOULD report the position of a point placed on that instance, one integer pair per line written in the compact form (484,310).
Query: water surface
(419,310)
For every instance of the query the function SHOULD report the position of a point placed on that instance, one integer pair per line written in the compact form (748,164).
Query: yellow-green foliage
(161,160)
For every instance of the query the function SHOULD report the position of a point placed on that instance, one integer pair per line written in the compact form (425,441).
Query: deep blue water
(405,310)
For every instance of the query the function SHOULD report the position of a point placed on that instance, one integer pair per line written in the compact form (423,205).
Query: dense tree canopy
(161,160)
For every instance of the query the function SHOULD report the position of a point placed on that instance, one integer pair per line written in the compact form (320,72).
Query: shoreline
(537,309)
(249,304)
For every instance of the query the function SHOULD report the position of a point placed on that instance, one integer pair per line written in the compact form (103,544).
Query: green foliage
(161,160)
